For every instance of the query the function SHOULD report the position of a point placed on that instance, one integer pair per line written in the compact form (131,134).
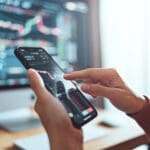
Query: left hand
(54,117)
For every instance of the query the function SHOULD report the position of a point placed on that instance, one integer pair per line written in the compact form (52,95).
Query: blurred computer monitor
(60,26)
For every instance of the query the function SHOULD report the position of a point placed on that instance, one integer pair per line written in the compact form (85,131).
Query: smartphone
(79,109)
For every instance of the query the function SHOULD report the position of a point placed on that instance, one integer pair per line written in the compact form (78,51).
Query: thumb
(36,83)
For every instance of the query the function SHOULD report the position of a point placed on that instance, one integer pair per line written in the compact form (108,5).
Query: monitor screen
(59,26)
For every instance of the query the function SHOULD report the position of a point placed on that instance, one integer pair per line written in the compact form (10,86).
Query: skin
(54,117)
(96,82)
(107,83)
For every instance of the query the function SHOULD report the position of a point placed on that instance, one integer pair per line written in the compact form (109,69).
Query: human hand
(107,83)
(54,117)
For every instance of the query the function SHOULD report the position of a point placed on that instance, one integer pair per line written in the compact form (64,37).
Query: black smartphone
(80,110)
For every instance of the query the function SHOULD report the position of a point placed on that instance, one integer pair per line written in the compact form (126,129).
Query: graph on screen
(39,23)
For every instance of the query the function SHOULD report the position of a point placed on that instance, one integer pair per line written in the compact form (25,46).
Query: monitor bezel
(14,87)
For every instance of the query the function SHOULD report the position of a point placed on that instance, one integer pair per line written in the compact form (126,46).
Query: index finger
(83,74)
(91,73)
(76,75)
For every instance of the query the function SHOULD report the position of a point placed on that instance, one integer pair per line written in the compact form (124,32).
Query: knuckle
(114,70)
(37,107)
(88,72)
(91,89)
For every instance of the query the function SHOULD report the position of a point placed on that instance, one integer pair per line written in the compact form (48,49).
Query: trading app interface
(50,24)
(66,91)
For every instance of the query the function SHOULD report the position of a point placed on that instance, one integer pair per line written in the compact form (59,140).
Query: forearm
(66,141)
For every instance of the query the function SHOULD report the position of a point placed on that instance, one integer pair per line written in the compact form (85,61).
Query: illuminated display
(50,24)
(69,94)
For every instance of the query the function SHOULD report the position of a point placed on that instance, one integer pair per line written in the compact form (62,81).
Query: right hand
(107,83)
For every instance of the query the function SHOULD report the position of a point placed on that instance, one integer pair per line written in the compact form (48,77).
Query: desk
(124,137)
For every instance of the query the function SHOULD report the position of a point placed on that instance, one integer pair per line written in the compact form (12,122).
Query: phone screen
(78,107)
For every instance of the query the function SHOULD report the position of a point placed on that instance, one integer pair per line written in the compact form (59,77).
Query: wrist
(141,102)
(142,116)
(67,139)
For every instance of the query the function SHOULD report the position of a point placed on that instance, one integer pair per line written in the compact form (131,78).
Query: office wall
(125,40)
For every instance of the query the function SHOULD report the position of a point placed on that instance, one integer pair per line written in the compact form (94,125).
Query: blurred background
(125,40)
(78,34)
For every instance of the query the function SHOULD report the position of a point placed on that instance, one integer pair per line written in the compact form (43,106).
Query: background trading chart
(54,25)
